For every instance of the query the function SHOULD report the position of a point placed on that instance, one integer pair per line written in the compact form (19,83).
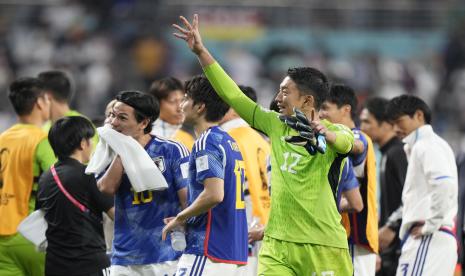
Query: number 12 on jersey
(291,160)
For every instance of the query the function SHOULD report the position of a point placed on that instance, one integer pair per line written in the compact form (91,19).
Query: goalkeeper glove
(311,141)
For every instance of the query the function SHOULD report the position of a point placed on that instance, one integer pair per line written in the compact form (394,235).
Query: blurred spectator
(170,93)
(375,122)
(109,110)
(149,56)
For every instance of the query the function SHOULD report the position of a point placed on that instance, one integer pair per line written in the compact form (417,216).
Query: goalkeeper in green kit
(304,235)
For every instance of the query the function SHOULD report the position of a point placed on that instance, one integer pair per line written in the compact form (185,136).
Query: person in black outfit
(393,168)
(76,244)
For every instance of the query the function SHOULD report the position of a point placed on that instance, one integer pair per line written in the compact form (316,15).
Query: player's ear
(419,116)
(200,108)
(347,109)
(309,101)
(43,100)
(82,145)
(144,123)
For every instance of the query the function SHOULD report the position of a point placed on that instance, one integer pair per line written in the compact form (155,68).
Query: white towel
(141,170)
(33,228)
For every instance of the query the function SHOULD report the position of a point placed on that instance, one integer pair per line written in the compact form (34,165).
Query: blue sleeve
(348,179)
(180,166)
(209,163)
(181,173)
(358,159)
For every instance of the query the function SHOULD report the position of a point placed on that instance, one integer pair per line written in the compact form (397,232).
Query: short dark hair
(23,94)
(377,106)
(66,134)
(408,105)
(310,81)
(341,94)
(199,89)
(162,88)
(249,92)
(145,106)
(58,84)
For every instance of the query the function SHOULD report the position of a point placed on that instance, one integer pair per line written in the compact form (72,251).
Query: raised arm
(226,88)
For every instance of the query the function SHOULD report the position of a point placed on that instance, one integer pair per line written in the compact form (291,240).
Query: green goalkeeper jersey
(303,204)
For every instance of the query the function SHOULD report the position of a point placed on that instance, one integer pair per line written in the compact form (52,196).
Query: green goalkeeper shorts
(282,258)
(18,256)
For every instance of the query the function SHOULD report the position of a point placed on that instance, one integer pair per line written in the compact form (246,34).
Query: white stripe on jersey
(202,141)
(196,144)
(224,158)
(181,148)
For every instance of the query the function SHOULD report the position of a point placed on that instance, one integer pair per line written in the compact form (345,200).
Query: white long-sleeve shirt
(163,129)
(430,189)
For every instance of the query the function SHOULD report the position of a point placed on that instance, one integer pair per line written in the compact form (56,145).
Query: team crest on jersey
(160,162)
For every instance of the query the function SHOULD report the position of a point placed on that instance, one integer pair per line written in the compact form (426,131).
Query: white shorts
(202,266)
(251,268)
(364,260)
(160,269)
(434,254)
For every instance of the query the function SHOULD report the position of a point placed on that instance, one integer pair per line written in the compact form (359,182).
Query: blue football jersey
(359,159)
(139,216)
(221,233)
(348,180)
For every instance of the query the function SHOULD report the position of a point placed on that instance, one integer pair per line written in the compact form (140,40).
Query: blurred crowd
(110,46)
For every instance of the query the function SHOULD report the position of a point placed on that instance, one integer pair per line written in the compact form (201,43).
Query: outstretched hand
(190,33)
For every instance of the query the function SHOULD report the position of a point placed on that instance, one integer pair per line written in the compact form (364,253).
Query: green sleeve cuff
(344,138)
